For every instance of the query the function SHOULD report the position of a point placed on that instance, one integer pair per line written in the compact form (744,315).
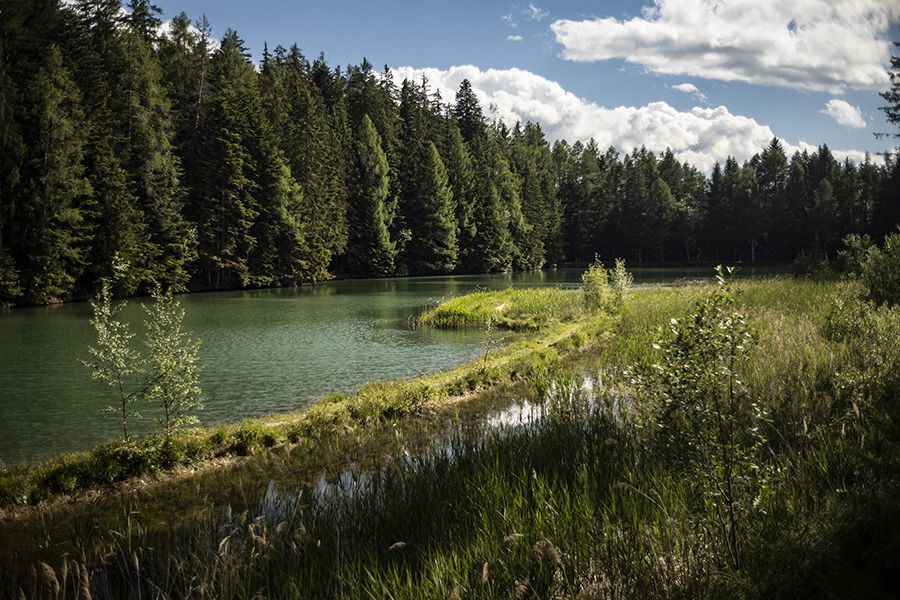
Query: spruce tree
(432,220)
(224,203)
(370,251)
(56,231)
(461,177)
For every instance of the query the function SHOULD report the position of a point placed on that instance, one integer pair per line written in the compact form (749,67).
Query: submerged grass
(578,500)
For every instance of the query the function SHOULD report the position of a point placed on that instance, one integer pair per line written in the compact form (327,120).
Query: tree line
(177,154)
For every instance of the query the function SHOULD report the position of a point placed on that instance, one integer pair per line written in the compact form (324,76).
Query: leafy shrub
(620,281)
(705,418)
(853,255)
(247,438)
(595,287)
(812,264)
(881,271)
(120,460)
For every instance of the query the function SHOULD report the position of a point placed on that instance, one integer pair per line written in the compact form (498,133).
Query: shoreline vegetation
(735,439)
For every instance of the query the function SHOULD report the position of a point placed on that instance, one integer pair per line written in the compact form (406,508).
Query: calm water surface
(263,351)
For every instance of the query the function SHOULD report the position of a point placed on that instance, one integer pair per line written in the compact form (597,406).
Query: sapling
(705,416)
(115,363)
(168,373)
(174,375)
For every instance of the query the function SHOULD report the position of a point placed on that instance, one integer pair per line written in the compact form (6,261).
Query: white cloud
(509,20)
(535,13)
(844,113)
(700,136)
(690,88)
(514,38)
(823,45)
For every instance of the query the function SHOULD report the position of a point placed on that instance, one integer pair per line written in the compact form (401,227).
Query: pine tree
(55,232)
(370,251)
(772,171)
(433,247)
(468,113)
(892,94)
(461,177)
(224,203)
(493,246)
(150,159)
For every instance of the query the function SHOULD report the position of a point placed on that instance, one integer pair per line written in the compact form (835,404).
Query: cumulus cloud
(822,45)
(514,38)
(844,113)
(690,88)
(701,136)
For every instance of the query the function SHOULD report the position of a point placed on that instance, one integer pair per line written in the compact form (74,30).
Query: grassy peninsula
(727,440)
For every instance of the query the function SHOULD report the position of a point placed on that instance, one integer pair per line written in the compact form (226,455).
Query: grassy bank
(600,488)
(516,309)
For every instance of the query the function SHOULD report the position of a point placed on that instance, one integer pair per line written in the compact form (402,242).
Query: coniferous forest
(177,154)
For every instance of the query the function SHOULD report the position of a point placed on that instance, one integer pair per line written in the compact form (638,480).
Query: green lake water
(263,351)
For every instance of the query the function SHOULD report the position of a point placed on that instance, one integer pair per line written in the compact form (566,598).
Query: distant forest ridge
(201,170)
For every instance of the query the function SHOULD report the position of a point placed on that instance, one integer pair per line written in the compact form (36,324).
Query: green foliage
(370,249)
(881,271)
(10,287)
(620,282)
(513,308)
(170,373)
(853,255)
(115,362)
(173,373)
(595,287)
(705,415)
(251,436)
(869,382)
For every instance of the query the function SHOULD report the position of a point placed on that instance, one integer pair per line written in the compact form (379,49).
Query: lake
(263,351)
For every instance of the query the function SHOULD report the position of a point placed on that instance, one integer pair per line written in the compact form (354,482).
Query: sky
(707,78)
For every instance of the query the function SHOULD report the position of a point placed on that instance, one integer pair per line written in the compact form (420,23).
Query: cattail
(522,588)
(484,574)
(64,575)
(85,581)
(512,538)
(545,549)
(50,579)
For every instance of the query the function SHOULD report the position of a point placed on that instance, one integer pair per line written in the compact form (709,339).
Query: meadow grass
(516,309)
(582,499)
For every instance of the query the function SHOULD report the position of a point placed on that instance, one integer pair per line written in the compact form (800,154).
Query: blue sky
(708,78)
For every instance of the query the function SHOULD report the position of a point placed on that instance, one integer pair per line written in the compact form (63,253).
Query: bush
(705,419)
(881,271)
(620,282)
(247,438)
(852,257)
(595,287)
